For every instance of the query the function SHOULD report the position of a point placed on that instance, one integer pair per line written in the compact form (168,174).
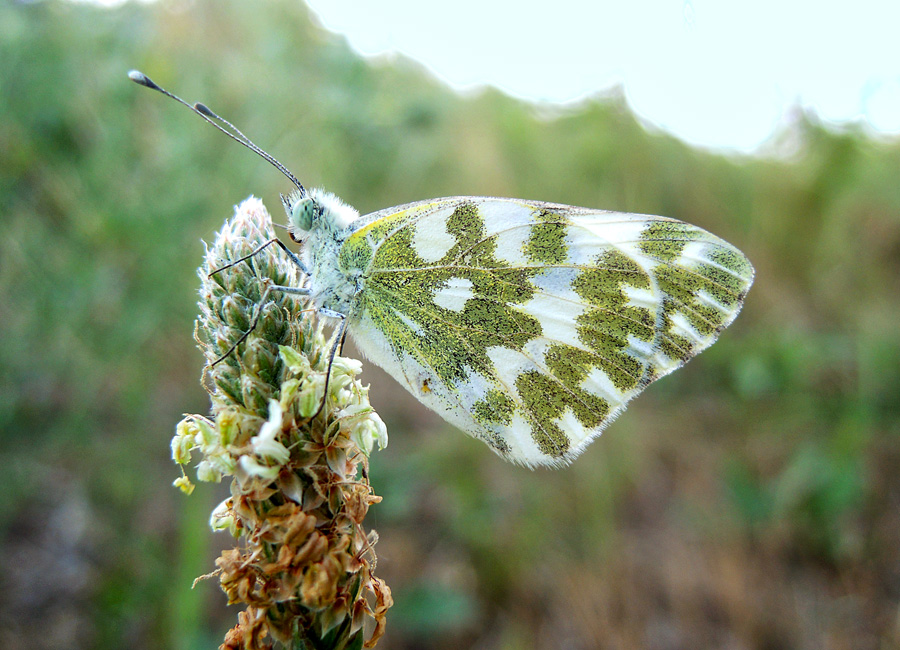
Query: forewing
(530,325)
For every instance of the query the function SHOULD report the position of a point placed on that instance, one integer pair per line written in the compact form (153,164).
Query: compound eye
(303,213)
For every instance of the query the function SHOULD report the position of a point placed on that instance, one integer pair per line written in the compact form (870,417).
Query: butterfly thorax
(332,286)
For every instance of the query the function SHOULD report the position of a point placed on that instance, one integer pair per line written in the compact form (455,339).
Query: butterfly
(528,325)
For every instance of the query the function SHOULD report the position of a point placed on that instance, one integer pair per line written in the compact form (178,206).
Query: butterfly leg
(269,287)
(299,291)
(293,257)
(338,343)
(259,307)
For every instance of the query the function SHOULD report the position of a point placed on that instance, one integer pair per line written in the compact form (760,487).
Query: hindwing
(530,325)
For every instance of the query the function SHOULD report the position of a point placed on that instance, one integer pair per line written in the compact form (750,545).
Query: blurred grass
(751,501)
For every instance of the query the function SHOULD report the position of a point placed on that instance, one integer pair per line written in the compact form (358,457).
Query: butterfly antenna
(235,134)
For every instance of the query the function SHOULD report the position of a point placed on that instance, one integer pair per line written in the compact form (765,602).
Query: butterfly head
(302,212)
(316,209)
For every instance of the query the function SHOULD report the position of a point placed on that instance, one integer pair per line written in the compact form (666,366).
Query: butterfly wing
(530,325)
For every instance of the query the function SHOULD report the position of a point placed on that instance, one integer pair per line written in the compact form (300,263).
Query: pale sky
(715,73)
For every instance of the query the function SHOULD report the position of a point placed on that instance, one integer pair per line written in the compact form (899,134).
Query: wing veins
(460,328)
(514,394)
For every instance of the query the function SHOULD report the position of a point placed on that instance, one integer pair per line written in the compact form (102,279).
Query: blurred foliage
(750,501)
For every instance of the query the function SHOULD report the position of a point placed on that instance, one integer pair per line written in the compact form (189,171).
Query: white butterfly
(527,325)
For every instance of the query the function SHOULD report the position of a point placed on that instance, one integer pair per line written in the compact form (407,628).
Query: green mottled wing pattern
(530,325)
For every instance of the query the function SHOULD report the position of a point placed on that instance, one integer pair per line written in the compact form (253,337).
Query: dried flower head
(299,489)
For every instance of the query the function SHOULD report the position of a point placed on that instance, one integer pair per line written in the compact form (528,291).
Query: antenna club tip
(139,77)
(203,108)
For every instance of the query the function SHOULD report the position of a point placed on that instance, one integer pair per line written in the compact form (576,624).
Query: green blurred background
(749,501)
